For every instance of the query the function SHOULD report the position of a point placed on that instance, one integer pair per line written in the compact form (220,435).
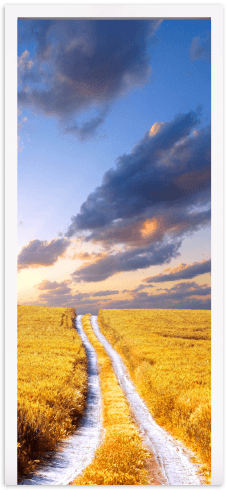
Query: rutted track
(171,456)
(77,451)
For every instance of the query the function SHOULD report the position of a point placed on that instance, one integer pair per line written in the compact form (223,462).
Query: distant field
(52,380)
(168,355)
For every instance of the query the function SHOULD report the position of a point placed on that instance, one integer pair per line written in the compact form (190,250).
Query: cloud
(162,303)
(87,130)
(105,293)
(184,289)
(166,173)
(91,257)
(201,48)
(183,295)
(56,287)
(82,305)
(55,293)
(145,207)
(81,297)
(154,197)
(60,293)
(130,260)
(141,286)
(81,65)
(182,271)
(41,253)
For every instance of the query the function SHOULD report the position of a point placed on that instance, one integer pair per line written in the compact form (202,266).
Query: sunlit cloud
(187,295)
(156,128)
(139,188)
(149,227)
(182,271)
(62,287)
(138,258)
(145,211)
(40,253)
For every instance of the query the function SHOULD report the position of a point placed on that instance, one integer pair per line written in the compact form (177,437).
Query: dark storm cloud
(165,173)
(130,260)
(82,64)
(41,253)
(182,272)
(201,48)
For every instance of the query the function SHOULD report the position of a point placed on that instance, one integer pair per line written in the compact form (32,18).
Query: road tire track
(172,458)
(76,452)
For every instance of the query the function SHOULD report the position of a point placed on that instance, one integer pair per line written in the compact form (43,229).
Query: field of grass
(52,381)
(168,355)
(121,458)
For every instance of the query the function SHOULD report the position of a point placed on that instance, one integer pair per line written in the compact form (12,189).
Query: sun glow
(148,228)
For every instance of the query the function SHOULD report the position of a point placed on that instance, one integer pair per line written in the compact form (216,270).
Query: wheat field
(52,381)
(168,355)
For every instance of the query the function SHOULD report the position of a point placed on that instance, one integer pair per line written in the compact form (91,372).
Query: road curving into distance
(172,458)
(76,452)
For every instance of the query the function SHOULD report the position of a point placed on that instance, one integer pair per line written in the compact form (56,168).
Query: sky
(114,164)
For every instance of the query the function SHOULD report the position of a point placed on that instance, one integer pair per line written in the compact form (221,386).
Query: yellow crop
(168,355)
(52,381)
(121,458)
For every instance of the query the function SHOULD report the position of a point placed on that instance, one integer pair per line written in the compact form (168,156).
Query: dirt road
(172,458)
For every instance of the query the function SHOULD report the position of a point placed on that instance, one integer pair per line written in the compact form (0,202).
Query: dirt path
(172,458)
(77,451)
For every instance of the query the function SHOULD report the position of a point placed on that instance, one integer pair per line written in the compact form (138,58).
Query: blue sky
(89,93)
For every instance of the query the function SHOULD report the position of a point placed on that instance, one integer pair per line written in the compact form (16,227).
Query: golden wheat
(121,458)
(168,355)
(52,380)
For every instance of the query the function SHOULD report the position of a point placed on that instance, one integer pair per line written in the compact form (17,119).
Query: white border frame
(12,12)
